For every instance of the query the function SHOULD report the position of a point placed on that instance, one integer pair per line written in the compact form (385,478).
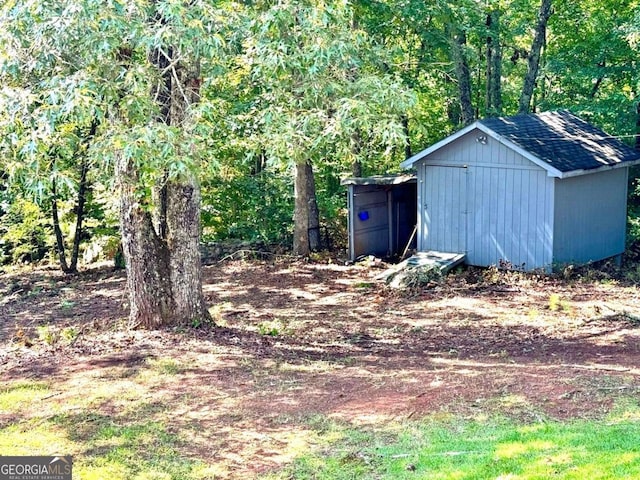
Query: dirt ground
(297,341)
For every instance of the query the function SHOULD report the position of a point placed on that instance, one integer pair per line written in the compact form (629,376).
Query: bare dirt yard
(296,341)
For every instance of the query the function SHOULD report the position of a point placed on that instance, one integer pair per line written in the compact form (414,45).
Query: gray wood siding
(511,217)
(498,208)
(590,216)
(444,208)
(466,150)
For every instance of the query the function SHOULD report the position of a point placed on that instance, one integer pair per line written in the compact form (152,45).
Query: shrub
(25,235)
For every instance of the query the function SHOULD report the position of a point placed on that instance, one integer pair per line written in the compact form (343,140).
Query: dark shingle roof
(562,140)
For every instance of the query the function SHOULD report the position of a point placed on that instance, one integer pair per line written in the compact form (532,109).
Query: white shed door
(444,209)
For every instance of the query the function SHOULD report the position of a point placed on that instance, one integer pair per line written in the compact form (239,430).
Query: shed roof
(560,142)
(379,180)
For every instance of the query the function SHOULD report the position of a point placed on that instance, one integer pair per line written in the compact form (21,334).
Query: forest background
(283,99)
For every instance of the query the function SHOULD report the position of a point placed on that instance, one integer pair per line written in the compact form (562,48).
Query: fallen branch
(52,395)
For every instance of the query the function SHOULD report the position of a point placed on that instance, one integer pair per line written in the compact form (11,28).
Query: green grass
(127,444)
(122,436)
(18,394)
(476,450)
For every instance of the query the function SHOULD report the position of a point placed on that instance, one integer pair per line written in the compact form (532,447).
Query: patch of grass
(48,334)
(480,449)
(16,395)
(35,436)
(52,335)
(165,366)
(275,328)
(69,334)
(67,304)
(557,303)
(117,447)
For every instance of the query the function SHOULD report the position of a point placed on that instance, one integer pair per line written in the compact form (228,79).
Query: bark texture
(533,60)
(55,217)
(306,234)
(493,102)
(83,186)
(146,257)
(463,75)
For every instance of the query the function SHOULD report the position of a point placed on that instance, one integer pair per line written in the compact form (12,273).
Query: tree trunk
(315,243)
(301,212)
(637,144)
(493,102)
(82,199)
(147,258)
(162,257)
(306,218)
(463,75)
(183,241)
(407,140)
(356,150)
(599,80)
(62,258)
(539,38)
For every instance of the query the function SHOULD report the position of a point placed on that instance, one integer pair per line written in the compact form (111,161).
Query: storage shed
(525,192)
(382,214)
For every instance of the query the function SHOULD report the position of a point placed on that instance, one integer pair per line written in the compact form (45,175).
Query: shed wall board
(370,235)
(590,216)
(467,150)
(444,208)
(510,217)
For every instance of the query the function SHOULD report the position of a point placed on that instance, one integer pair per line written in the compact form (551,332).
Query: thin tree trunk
(82,199)
(62,258)
(637,145)
(356,149)
(539,38)
(493,102)
(599,80)
(407,138)
(83,186)
(315,243)
(463,75)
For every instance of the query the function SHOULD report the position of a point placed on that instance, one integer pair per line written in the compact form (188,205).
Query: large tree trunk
(306,218)
(183,241)
(463,74)
(147,257)
(161,239)
(539,38)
